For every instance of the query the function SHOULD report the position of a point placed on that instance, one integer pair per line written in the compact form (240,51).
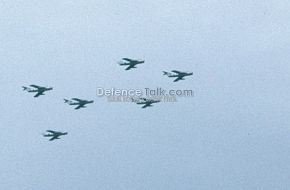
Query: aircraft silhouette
(54,134)
(38,89)
(131,63)
(79,102)
(147,102)
(180,75)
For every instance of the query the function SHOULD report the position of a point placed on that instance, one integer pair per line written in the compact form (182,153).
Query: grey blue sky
(234,134)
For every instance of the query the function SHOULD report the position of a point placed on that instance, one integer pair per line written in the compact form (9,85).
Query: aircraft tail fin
(66,101)
(166,73)
(24,88)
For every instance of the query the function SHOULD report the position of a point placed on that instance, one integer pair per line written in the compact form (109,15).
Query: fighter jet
(146,102)
(38,89)
(54,134)
(180,75)
(80,103)
(131,63)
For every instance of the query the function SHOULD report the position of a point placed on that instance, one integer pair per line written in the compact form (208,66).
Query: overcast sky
(234,134)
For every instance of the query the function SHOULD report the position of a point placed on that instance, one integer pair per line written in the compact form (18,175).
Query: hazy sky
(234,134)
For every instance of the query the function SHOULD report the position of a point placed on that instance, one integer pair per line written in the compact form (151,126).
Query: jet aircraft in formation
(178,74)
(78,102)
(38,89)
(54,134)
(131,63)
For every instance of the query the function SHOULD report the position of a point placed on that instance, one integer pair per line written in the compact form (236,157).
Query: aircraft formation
(80,103)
